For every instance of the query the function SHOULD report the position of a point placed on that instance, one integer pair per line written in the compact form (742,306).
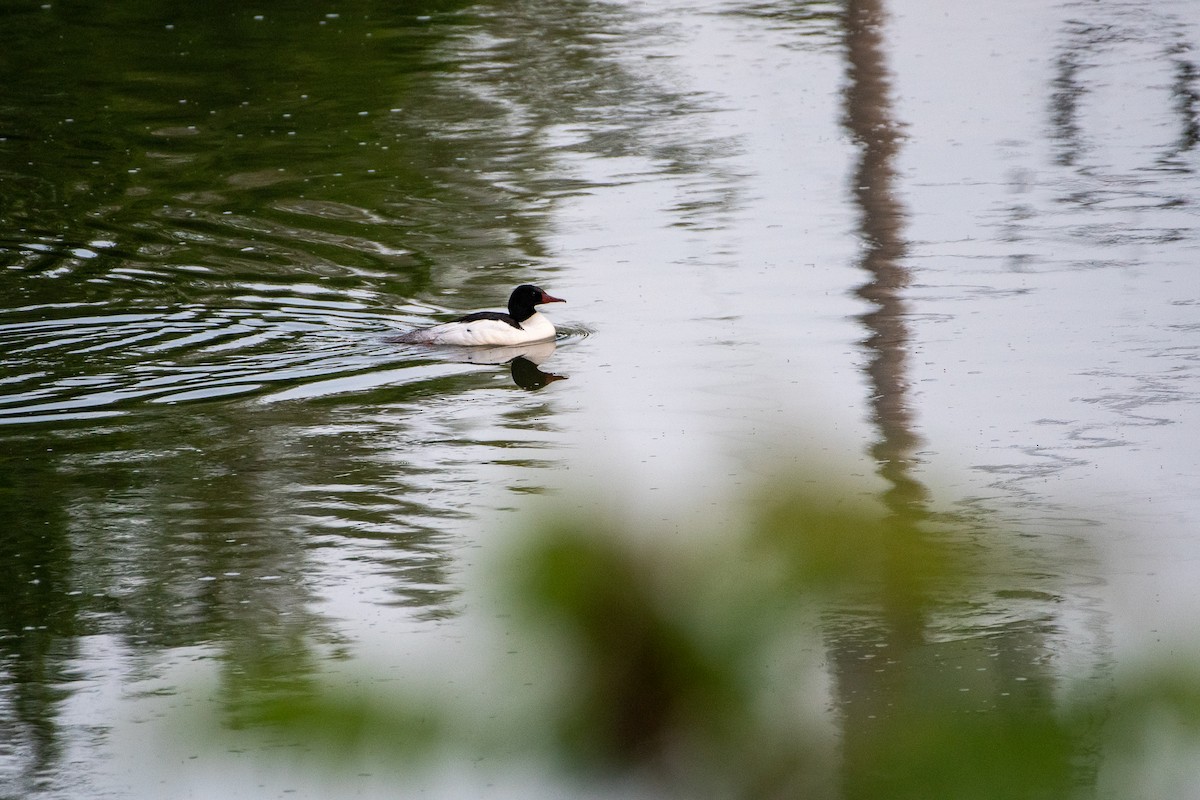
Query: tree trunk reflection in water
(892,676)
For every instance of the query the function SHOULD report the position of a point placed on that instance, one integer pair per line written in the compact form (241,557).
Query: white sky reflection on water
(1057,359)
(1052,309)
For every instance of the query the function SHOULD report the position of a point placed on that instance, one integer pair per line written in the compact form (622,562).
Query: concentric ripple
(81,362)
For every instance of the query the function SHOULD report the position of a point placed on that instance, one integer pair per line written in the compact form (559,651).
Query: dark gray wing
(496,315)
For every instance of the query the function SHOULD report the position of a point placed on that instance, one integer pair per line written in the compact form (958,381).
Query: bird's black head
(523,299)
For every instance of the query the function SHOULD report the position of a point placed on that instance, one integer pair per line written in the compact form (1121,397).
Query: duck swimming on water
(523,324)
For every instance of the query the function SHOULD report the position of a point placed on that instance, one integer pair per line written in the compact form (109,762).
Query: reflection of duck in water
(523,324)
(524,361)
(527,375)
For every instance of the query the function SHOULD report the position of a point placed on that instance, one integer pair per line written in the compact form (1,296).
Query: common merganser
(522,324)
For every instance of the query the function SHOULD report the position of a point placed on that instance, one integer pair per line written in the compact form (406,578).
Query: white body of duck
(523,324)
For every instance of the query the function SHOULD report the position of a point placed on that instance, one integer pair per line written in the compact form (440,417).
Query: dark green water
(209,216)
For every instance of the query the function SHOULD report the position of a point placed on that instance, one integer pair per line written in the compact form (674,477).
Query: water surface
(945,247)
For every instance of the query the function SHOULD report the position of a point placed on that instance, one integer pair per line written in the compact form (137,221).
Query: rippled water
(947,246)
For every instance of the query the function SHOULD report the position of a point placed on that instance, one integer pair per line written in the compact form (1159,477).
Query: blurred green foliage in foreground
(820,647)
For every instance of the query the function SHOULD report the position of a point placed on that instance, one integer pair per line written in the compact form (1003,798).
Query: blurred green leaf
(689,663)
